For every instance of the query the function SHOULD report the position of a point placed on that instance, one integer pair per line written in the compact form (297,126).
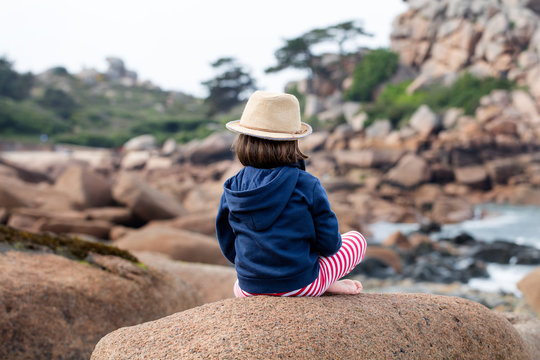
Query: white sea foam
(518,224)
(502,278)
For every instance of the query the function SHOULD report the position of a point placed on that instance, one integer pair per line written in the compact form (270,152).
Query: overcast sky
(172,43)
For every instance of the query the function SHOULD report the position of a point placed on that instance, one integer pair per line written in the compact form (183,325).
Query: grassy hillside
(94,111)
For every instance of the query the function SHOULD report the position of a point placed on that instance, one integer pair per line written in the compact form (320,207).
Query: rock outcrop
(529,329)
(177,244)
(53,307)
(368,326)
(144,200)
(85,187)
(486,38)
(209,282)
(530,287)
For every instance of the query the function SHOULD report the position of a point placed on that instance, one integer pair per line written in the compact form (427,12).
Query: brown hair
(266,154)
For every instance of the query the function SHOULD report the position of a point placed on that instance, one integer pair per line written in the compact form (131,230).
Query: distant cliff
(501,38)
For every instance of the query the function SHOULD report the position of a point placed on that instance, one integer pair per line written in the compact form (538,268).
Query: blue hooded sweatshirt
(273,224)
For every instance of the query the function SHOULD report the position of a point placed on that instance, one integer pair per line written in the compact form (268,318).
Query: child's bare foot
(346,287)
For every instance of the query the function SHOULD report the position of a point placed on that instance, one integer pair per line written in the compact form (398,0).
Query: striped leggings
(332,268)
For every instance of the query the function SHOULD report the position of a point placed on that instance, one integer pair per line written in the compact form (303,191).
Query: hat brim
(305,130)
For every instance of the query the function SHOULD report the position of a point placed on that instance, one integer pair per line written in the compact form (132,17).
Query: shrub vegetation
(103,114)
(395,104)
(376,67)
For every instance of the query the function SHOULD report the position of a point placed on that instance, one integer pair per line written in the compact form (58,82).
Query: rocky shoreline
(158,203)
(171,212)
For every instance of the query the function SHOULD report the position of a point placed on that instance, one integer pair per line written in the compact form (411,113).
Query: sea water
(517,224)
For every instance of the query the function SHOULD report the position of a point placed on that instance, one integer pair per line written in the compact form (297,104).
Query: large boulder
(43,162)
(18,171)
(15,193)
(135,160)
(201,222)
(474,176)
(169,147)
(52,307)
(76,222)
(86,188)
(142,142)
(314,142)
(501,170)
(451,210)
(529,328)
(177,244)
(424,121)
(525,194)
(203,197)
(410,171)
(96,228)
(214,148)
(367,326)
(368,158)
(116,215)
(379,129)
(530,287)
(145,201)
(209,282)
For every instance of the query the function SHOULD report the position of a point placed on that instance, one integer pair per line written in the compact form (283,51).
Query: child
(274,220)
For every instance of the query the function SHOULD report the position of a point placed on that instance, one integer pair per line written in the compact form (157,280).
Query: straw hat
(272,116)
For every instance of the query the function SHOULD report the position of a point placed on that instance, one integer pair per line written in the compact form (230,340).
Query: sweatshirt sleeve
(224,231)
(328,238)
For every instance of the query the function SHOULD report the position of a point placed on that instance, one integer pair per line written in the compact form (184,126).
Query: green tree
(59,101)
(12,84)
(345,32)
(25,117)
(300,53)
(230,87)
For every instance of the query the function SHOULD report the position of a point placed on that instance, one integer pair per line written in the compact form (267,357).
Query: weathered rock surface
(410,171)
(97,228)
(367,326)
(451,210)
(178,244)
(202,223)
(85,187)
(214,148)
(530,287)
(145,201)
(15,193)
(142,142)
(55,308)
(116,215)
(209,282)
(135,159)
(368,158)
(529,328)
(474,176)
(424,120)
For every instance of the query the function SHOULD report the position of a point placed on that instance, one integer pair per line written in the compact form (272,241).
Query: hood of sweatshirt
(257,197)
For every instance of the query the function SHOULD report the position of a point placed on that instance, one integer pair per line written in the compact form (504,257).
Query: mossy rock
(70,247)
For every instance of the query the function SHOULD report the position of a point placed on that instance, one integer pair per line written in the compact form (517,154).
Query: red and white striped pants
(332,268)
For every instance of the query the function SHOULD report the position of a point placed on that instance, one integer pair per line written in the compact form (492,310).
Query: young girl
(274,220)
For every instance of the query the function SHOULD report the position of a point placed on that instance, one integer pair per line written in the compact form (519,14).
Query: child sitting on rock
(274,220)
